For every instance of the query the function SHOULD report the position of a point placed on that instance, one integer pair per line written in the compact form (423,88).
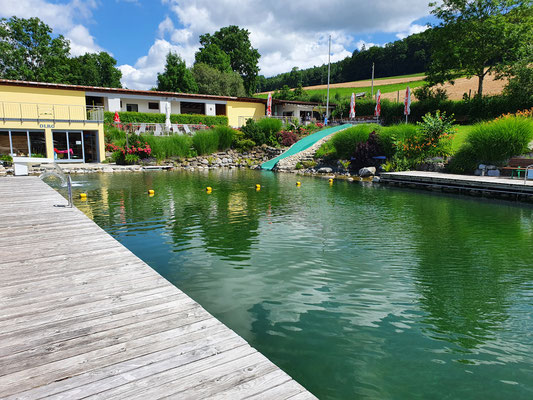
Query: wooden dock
(502,187)
(83,317)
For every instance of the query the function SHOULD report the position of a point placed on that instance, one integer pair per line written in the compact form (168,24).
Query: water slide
(303,144)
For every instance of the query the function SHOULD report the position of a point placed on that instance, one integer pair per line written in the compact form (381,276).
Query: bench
(20,164)
(519,165)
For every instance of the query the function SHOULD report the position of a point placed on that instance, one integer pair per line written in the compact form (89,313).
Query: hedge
(193,119)
(465,111)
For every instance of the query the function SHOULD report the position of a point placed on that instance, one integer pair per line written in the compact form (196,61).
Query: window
(22,143)
(153,106)
(132,107)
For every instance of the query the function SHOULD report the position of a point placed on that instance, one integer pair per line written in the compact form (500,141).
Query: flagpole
(372,80)
(329,70)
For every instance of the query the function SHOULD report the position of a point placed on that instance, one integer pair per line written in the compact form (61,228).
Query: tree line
(28,52)
(407,56)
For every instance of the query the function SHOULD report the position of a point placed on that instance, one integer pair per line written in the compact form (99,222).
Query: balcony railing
(10,111)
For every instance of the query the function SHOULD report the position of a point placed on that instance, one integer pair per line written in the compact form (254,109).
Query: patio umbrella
(167,120)
(352,107)
(116,118)
(377,112)
(407,103)
(269,105)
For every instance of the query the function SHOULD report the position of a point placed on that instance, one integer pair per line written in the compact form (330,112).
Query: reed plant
(206,142)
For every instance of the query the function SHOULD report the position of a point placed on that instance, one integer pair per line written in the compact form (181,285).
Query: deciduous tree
(95,69)
(212,56)
(212,81)
(235,42)
(177,77)
(28,52)
(474,38)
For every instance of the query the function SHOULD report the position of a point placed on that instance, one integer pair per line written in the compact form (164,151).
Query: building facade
(66,122)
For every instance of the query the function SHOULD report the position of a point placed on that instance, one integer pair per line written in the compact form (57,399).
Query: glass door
(68,146)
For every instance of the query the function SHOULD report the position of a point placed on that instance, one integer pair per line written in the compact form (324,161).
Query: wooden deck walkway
(83,317)
(492,186)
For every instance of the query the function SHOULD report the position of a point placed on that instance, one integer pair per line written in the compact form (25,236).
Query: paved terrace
(82,316)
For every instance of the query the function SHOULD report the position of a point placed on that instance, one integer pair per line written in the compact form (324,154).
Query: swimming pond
(356,290)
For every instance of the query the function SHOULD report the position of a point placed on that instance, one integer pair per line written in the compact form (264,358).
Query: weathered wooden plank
(95,360)
(165,372)
(257,385)
(82,316)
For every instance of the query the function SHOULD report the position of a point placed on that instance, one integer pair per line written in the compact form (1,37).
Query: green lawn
(346,93)
(460,137)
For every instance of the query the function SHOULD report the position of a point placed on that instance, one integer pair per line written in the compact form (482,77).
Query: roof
(155,93)
(119,91)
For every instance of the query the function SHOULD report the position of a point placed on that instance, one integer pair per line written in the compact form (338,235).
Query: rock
(491,167)
(367,171)
(204,161)
(478,172)
(325,170)
(482,166)
(225,160)
(107,169)
(493,172)
(218,160)
(376,179)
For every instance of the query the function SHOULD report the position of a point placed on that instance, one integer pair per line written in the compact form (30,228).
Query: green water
(357,291)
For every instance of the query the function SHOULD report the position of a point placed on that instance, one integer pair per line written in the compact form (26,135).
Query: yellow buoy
(83,195)
(330,180)
(298,183)
(151,192)
(151,195)
(209,189)
(258,187)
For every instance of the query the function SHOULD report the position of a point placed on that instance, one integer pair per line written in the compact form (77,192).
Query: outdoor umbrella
(377,112)
(167,120)
(352,107)
(269,105)
(116,118)
(407,103)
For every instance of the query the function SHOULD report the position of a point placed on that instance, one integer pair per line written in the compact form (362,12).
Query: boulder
(493,172)
(325,170)
(367,171)
(376,179)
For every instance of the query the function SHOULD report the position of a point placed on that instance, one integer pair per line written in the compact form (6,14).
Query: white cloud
(414,28)
(63,18)
(286,33)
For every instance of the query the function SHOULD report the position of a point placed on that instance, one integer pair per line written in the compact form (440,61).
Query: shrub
(205,142)
(309,164)
(130,159)
(194,119)
(253,132)
(288,138)
(494,142)
(169,146)
(346,141)
(225,136)
(364,152)
(388,135)
(464,161)
(136,148)
(270,125)
(326,151)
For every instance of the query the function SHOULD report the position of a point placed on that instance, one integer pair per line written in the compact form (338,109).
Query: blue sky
(139,33)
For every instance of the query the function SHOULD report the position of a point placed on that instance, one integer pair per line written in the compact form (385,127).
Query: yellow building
(66,122)
(45,120)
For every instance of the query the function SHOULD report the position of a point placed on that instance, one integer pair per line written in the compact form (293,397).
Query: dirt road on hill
(455,92)
(462,85)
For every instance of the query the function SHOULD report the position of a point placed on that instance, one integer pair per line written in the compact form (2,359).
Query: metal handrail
(50,112)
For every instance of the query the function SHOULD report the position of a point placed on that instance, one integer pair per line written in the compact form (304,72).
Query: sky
(287,33)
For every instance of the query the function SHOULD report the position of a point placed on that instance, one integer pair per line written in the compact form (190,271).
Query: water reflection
(356,291)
